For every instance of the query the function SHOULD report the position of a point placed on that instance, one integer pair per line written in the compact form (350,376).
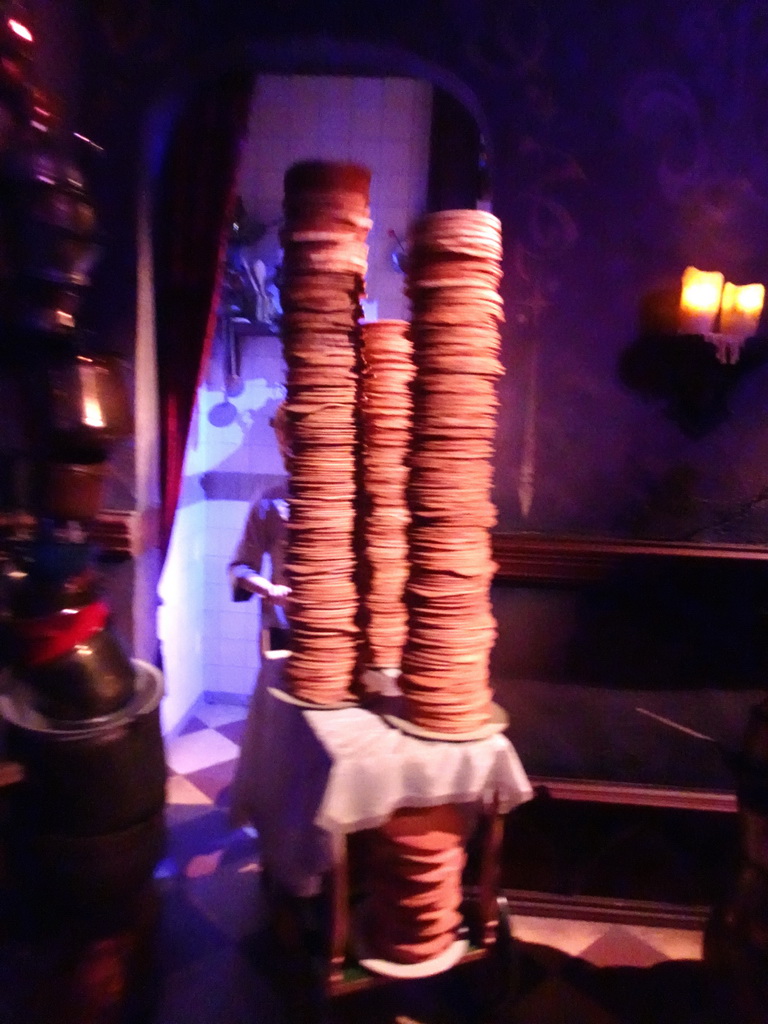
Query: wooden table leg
(339,909)
(490,869)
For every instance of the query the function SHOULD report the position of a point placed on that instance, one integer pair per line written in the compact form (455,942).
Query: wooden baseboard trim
(222,697)
(597,791)
(593,908)
(11,772)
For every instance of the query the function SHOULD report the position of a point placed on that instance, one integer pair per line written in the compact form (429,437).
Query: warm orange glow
(741,309)
(21,30)
(699,300)
(750,298)
(701,295)
(93,414)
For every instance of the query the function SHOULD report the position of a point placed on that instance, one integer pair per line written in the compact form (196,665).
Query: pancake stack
(414,893)
(325,258)
(454,271)
(386,404)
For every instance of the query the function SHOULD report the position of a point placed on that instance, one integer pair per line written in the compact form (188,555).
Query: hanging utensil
(233,385)
(224,413)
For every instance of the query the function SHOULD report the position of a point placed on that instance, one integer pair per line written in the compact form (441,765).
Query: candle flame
(750,298)
(701,290)
(699,300)
(741,309)
(700,295)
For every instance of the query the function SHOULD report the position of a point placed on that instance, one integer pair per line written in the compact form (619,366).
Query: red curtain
(192,213)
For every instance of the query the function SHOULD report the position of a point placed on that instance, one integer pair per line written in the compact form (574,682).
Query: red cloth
(50,636)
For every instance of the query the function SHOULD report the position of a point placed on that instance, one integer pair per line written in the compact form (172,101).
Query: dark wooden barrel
(86,824)
(95,876)
(101,777)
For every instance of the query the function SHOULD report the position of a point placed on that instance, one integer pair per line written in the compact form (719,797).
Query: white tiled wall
(248,448)
(384,124)
(180,615)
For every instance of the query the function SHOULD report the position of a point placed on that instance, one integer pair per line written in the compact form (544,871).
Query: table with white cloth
(318,775)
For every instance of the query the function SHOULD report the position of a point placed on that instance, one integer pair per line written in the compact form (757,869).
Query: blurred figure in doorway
(258,567)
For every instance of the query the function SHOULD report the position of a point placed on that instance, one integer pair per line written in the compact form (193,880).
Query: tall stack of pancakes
(414,893)
(327,220)
(454,271)
(386,404)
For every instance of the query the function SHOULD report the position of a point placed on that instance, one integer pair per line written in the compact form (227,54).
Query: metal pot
(93,679)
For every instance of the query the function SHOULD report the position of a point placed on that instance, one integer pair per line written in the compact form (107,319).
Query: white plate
(424,969)
(307,705)
(499,722)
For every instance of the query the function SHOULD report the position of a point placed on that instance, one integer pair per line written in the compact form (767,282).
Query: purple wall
(627,140)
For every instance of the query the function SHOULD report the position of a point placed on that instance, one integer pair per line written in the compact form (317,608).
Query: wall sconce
(695,344)
(723,314)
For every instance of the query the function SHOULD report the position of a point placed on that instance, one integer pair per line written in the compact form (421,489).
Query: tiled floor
(211,960)
(213,909)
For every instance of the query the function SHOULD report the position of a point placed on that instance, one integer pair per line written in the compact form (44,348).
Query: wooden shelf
(119,535)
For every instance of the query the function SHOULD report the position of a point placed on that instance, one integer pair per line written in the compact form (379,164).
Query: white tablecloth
(305,776)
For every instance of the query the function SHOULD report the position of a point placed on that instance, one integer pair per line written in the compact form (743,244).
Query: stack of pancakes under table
(454,270)
(327,220)
(386,404)
(416,860)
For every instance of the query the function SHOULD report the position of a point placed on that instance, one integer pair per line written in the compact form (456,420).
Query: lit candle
(699,300)
(741,309)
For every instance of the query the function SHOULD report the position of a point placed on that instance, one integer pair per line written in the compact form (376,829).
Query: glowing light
(741,309)
(701,295)
(93,413)
(699,300)
(21,30)
(90,142)
(704,296)
(750,298)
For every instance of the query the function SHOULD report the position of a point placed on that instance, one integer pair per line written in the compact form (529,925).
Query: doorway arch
(300,57)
